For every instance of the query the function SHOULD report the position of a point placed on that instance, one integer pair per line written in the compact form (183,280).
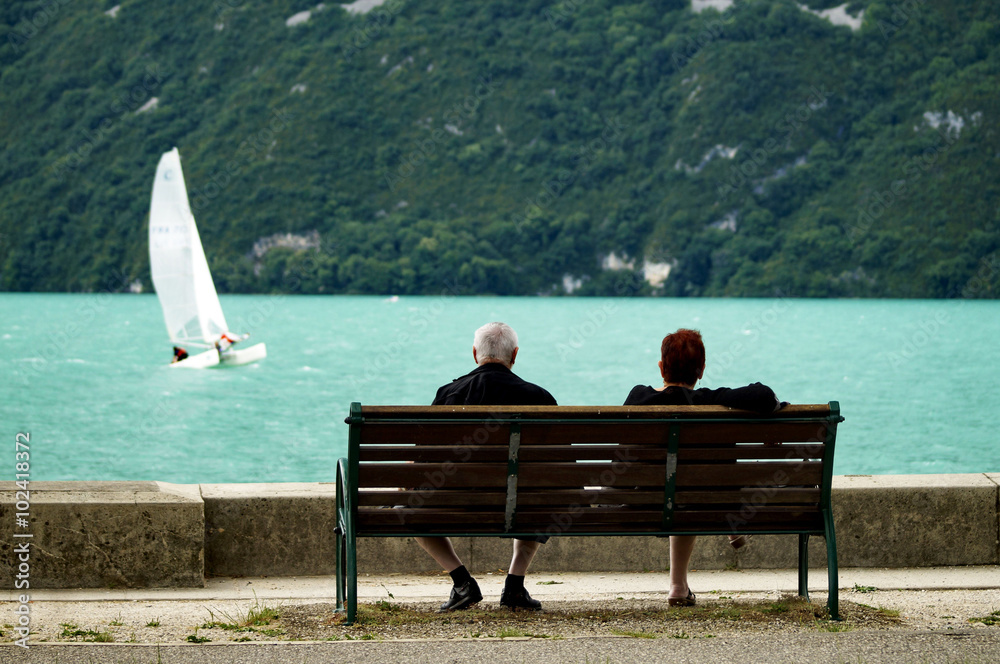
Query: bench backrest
(550,470)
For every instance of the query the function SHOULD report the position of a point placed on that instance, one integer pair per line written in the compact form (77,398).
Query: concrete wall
(152,534)
(105,534)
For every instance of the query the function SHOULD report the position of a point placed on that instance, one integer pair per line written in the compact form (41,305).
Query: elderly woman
(682,363)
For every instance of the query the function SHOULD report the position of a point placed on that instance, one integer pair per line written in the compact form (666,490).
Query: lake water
(87,375)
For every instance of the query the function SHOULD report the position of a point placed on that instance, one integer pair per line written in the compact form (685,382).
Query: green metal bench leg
(804,566)
(352,575)
(338,532)
(347,578)
(833,583)
(340,571)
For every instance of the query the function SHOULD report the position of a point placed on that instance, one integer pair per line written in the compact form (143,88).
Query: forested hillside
(509,146)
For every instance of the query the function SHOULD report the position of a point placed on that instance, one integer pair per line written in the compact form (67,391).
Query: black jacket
(492,384)
(756,397)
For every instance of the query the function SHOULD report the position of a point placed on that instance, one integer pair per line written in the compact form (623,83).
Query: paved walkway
(935,602)
(589,585)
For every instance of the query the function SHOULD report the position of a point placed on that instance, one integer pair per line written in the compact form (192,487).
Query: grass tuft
(636,635)
(70,631)
(257,615)
(992,619)
(514,633)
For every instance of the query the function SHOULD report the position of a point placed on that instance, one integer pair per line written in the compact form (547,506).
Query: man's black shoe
(462,597)
(518,599)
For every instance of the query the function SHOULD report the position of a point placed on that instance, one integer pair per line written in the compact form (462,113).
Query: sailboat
(182,280)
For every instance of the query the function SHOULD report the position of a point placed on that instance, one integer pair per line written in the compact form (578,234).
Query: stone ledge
(152,534)
(107,534)
(270,529)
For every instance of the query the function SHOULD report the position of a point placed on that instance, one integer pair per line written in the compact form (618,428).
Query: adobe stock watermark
(223,7)
(28,28)
(129,100)
(377,20)
(389,354)
(714,30)
(784,129)
(754,328)
(880,202)
(628,283)
(248,149)
(561,12)
(553,188)
(424,149)
(578,335)
(291,282)
(591,493)
(464,450)
(21,550)
(901,14)
(765,491)
(58,339)
(930,328)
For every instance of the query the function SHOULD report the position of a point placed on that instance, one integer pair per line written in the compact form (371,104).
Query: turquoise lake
(88,377)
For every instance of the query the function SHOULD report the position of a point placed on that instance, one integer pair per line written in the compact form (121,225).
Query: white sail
(180,272)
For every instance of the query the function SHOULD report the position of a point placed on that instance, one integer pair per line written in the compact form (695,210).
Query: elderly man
(494,349)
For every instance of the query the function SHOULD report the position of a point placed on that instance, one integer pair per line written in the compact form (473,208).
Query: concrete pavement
(934,605)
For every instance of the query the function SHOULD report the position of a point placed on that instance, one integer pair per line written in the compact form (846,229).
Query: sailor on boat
(225,342)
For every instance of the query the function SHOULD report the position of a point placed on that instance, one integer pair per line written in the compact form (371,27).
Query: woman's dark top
(755,397)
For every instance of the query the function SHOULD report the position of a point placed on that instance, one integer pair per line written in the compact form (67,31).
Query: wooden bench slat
(796,473)
(592,496)
(771,496)
(568,474)
(434,475)
(804,520)
(444,453)
(458,434)
(541,433)
(566,522)
(770,432)
(417,517)
(433,453)
(647,454)
(754,452)
(430,498)
(529,497)
(560,474)
(526,498)
(587,452)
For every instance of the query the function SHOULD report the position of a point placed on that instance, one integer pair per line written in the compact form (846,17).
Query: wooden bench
(506,471)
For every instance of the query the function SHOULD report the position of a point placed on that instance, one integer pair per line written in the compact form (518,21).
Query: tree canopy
(509,146)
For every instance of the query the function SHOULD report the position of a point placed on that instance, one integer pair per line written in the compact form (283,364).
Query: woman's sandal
(682,601)
(739,542)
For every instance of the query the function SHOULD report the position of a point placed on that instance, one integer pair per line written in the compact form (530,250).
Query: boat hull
(233,357)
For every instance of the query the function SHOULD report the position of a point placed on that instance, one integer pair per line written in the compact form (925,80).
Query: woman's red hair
(683,356)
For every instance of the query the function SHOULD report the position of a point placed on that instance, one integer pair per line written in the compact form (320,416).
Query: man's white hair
(495,342)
